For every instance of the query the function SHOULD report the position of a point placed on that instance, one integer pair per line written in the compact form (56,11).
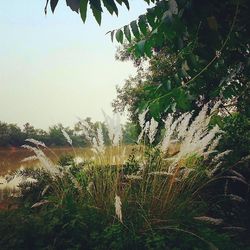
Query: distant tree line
(11,135)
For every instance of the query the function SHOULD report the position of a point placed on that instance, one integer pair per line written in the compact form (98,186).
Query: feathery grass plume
(142,118)
(161,173)
(234,197)
(84,123)
(183,125)
(244,159)
(215,107)
(237,174)
(210,220)
(212,172)
(152,130)
(12,183)
(133,177)
(143,131)
(143,124)
(100,138)
(110,125)
(86,129)
(169,130)
(44,160)
(30,180)
(221,155)
(65,134)
(214,144)
(36,142)
(45,190)
(198,137)
(30,158)
(118,131)
(118,207)
(114,128)
(97,147)
(40,203)
(78,160)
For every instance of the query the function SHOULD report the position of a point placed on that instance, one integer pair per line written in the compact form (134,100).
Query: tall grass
(147,191)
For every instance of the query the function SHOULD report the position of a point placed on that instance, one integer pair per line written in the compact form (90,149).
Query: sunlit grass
(138,187)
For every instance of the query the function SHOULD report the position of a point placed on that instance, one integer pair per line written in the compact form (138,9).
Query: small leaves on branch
(95,5)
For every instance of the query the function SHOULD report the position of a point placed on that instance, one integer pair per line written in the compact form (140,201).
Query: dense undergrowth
(195,198)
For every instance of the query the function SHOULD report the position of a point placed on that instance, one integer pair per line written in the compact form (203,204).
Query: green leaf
(135,29)
(110,6)
(98,16)
(83,9)
(126,3)
(155,109)
(73,4)
(96,7)
(181,98)
(112,35)
(140,47)
(168,85)
(216,120)
(119,1)
(123,1)
(96,4)
(53,4)
(151,18)
(127,33)
(143,24)
(119,36)
(148,48)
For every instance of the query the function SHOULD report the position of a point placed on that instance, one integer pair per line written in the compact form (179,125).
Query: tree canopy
(197,50)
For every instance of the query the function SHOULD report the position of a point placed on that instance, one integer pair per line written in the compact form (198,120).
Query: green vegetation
(13,136)
(186,185)
(149,200)
(197,51)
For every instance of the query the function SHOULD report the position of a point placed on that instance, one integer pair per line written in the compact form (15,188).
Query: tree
(206,43)
(10,135)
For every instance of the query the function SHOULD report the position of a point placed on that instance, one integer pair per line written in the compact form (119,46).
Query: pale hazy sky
(54,68)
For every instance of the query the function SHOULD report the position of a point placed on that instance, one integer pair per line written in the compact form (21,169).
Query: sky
(54,68)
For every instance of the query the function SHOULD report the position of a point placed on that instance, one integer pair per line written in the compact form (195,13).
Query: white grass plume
(152,130)
(40,203)
(36,142)
(168,133)
(210,220)
(142,118)
(98,141)
(44,160)
(143,131)
(193,136)
(221,155)
(114,128)
(118,207)
(67,137)
(100,137)
(30,158)
(45,190)
(86,129)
